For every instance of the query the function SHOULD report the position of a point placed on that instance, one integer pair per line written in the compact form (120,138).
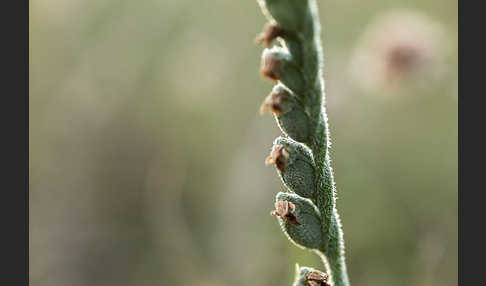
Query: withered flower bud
(270,33)
(275,101)
(279,157)
(271,68)
(278,65)
(307,276)
(286,210)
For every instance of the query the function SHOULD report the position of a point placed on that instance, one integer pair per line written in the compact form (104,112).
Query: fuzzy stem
(333,255)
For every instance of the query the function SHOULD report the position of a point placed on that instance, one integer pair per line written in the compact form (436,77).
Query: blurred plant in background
(146,148)
(398,46)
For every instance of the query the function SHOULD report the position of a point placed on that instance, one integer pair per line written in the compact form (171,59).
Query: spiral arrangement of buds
(307,212)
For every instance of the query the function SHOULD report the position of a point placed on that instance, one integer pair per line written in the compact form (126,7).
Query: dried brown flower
(278,156)
(271,68)
(285,210)
(270,33)
(274,101)
(316,278)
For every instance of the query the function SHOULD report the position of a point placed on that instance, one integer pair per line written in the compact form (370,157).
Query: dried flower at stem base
(285,210)
(306,276)
(316,278)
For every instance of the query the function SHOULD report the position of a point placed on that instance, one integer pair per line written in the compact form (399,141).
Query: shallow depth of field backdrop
(147,149)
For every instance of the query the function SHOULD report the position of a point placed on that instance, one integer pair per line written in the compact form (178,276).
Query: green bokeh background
(147,149)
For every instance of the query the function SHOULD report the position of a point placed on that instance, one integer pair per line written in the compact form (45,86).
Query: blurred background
(147,149)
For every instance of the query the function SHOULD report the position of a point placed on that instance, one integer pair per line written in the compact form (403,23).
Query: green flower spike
(307,213)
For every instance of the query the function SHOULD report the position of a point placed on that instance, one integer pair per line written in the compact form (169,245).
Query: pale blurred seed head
(398,48)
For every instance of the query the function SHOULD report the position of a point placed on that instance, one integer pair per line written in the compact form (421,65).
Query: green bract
(299,172)
(307,232)
(293,120)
